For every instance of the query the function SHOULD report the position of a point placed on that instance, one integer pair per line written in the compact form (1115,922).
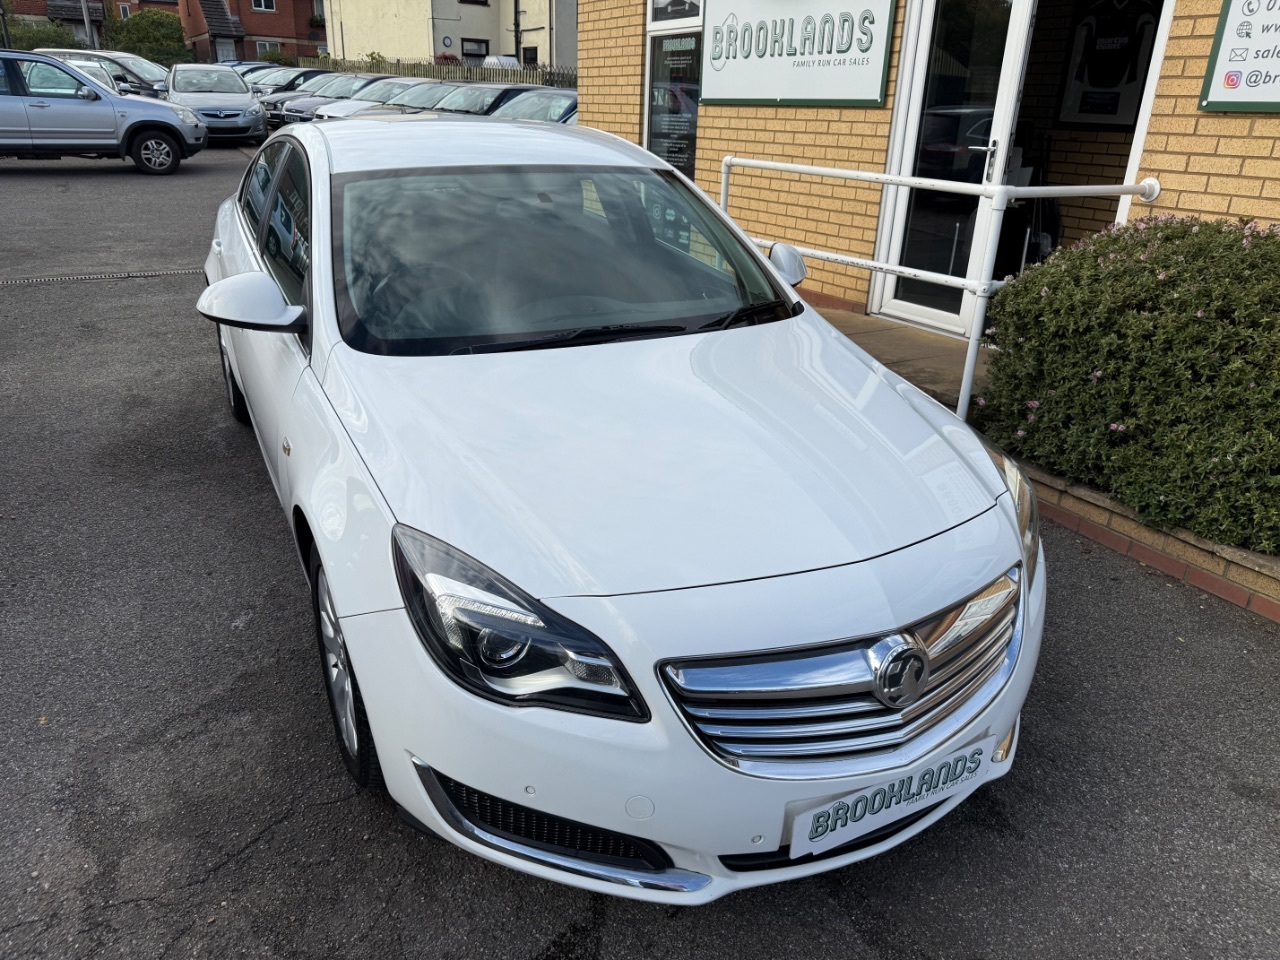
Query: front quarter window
(434,262)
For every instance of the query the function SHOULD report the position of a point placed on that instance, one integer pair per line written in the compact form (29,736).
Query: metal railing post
(725,166)
(999,204)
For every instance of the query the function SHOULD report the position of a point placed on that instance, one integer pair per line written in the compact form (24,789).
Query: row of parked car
(98,103)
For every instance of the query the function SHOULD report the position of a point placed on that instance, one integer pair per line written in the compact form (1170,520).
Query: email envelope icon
(1239,53)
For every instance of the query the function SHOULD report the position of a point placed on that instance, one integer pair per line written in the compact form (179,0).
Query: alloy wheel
(337,667)
(156,153)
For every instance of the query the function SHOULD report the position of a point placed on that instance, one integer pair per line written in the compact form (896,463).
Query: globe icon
(1245,30)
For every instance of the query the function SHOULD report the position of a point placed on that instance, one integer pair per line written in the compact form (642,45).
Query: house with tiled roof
(249,29)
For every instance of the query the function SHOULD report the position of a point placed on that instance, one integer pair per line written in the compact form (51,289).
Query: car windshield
(537,105)
(275,77)
(440,261)
(318,82)
(423,95)
(151,72)
(343,86)
(208,81)
(470,99)
(382,90)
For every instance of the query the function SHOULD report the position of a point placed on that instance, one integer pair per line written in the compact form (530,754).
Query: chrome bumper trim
(670,881)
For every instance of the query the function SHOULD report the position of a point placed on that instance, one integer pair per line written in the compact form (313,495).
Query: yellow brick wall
(1211,164)
(611,50)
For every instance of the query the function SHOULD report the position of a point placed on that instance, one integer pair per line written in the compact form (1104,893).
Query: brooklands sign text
(796,51)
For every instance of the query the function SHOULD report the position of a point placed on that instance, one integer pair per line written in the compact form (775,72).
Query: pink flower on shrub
(1033,404)
(1031,418)
(1020,433)
(1162,275)
(1044,291)
(1097,374)
(1114,426)
(1195,229)
(1200,313)
(982,401)
(1053,393)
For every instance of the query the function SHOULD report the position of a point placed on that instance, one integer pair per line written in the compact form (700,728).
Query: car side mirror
(256,90)
(123,87)
(251,301)
(787,261)
(161,87)
(86,93)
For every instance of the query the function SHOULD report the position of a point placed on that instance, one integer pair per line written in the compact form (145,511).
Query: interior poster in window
(675,13)
(1110,51)
(1244,66)
(674,70)
(797,51)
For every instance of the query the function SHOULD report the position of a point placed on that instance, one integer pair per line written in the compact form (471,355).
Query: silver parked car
(50,109)
(220,97)
(130,72)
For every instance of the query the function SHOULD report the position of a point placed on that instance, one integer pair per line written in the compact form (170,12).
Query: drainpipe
(88,27)
(551,32)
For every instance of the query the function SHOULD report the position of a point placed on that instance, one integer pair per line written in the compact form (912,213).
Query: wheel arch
(143,126)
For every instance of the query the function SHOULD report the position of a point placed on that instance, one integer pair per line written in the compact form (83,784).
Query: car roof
(448,140)
(203,66)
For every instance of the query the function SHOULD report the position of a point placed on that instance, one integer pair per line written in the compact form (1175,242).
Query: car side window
(257,184)
(45,80)
(5,90)
(286,241)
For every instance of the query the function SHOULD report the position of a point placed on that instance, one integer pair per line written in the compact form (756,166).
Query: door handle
(41,104)
(217,247)
(990,151)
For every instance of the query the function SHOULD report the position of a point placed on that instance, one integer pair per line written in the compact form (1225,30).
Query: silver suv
(51,109)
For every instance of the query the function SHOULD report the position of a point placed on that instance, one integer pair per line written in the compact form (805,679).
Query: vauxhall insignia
(902,673)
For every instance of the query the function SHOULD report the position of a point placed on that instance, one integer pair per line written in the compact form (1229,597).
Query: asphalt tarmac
(169,786)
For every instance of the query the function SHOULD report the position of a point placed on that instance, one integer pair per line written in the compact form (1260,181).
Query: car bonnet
(659,464)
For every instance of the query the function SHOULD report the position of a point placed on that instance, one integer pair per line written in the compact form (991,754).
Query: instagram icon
(1231,80)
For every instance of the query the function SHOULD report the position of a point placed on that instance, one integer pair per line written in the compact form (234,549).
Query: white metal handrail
(983,286)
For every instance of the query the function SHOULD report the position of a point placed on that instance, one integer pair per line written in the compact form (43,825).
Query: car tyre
(346,706)
(235,397)
(273,244)
(156,153)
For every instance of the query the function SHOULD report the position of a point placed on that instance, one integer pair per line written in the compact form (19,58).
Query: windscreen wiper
(752,313)
(578,337)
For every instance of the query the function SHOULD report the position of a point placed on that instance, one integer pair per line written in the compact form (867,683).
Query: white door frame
(903,134)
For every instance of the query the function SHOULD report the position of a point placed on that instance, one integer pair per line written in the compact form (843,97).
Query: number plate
(836,823)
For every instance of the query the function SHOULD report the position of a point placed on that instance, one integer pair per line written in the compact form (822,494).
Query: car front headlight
(254,111)
(498,642)
(185,114)
(1024,503)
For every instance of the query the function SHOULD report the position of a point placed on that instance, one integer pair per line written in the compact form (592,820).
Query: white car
(629,571)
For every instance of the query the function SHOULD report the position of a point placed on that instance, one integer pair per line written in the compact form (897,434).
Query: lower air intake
(512,821)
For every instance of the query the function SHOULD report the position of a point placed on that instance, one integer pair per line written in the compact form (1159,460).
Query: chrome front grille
(833,702)
(220,114)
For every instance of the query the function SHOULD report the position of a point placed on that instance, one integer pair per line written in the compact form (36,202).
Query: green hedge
(1145,361)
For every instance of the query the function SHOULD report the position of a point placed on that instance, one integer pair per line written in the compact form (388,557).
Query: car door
(270,364)
(58,117)
(15,134)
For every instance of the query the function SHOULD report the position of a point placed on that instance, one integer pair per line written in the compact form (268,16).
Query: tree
(153,34)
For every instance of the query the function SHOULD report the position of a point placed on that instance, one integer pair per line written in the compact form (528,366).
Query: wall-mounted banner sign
(797,51)
(1244,67)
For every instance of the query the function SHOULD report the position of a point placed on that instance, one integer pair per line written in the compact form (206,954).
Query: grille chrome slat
(821,703)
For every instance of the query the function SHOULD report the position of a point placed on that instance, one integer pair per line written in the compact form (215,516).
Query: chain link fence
(566,77)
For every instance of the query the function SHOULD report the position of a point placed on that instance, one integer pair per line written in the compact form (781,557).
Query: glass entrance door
(957,125)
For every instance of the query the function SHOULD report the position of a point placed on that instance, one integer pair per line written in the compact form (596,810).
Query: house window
(267,6)
(529,56)
(317,8)
(125,11)
(268,46)
(475,48)
(478,3)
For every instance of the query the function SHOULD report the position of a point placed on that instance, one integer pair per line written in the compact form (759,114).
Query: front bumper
(237,129)
(653,781)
